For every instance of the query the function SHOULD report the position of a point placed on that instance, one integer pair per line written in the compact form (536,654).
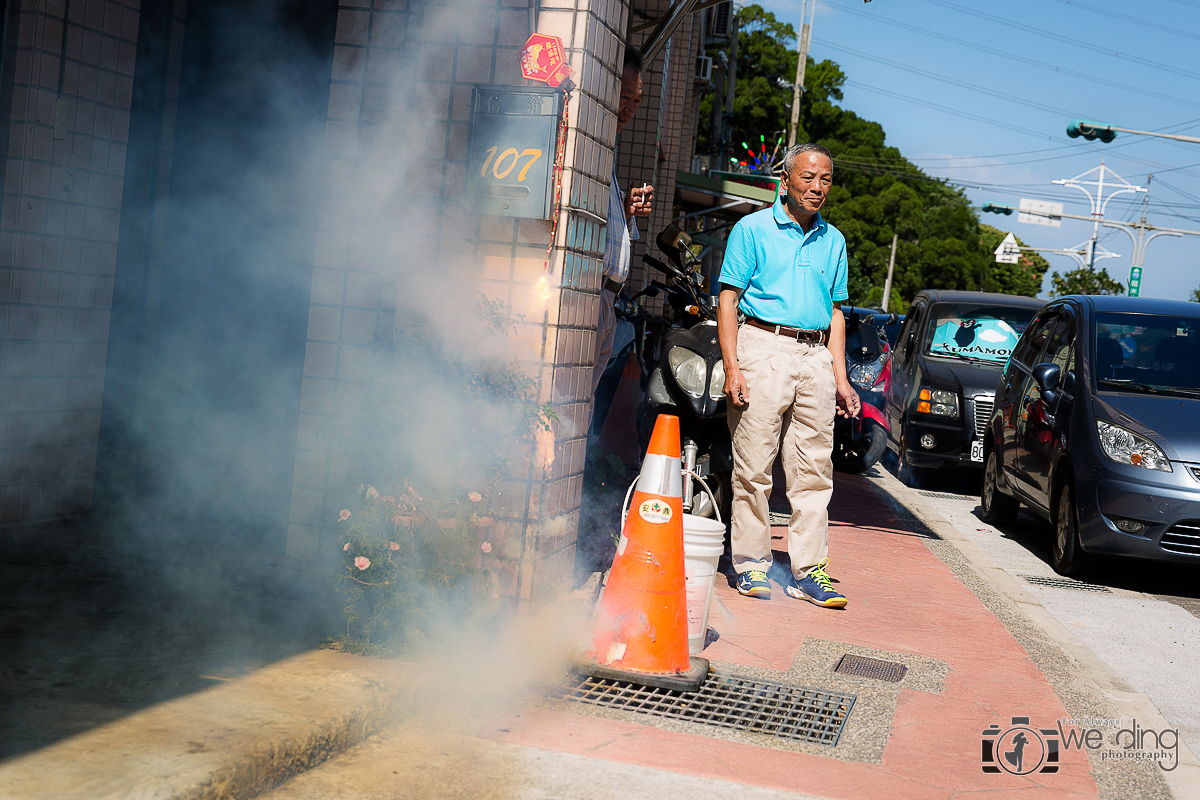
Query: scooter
(859,443)
(682,372)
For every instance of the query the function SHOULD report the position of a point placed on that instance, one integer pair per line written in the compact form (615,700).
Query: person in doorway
(623,207)
(785,374)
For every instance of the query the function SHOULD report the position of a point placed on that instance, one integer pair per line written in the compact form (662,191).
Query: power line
(1066,39)
(1130,19)
(952,81)
(947,109)
(1141,91)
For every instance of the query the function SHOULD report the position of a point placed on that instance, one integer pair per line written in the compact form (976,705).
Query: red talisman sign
(543,59)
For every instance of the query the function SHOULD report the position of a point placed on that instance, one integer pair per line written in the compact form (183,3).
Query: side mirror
(1047,376)
(892,319)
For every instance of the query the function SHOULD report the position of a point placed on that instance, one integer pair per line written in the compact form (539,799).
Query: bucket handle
(703,485)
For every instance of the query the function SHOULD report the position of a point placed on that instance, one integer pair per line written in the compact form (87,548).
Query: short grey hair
(795,150)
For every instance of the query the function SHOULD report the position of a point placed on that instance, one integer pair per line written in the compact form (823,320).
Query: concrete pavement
(978,647)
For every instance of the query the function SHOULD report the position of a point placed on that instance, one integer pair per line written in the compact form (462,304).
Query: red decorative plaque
(543,59)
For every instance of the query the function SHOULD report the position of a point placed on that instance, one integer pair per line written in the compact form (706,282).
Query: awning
(700,195)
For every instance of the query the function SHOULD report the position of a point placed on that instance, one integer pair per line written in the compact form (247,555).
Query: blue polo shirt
(790,277)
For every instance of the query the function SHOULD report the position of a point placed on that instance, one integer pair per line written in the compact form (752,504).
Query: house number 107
(500,172)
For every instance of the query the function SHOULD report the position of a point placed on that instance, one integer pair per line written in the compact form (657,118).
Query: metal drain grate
(877,668)
(946,496)
(1065,583)
(780,518)
(772,709)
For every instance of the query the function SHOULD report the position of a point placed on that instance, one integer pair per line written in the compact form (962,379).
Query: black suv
(948,358)
(1095,430)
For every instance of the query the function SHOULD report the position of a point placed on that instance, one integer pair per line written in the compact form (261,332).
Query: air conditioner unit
(703,68)
(722,21)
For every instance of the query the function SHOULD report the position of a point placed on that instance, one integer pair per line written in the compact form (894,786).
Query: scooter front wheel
(856,454)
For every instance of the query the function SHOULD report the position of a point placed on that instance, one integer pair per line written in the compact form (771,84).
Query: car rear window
(969,331)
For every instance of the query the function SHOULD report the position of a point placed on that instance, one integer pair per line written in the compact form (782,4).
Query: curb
(232,741)
(1006,597)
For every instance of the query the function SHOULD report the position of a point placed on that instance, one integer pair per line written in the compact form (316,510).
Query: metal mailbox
(510,162)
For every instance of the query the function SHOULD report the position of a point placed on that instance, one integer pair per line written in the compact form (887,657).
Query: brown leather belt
(612,286)
(799,334)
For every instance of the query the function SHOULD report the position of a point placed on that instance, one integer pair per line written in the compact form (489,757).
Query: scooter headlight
(864,375)
(716,387)
(689,369)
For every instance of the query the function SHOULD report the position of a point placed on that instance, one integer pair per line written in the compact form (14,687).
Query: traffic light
(998,208)
(1090,130)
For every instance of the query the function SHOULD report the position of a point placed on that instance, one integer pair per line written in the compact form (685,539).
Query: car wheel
(995,507)
(1067,557)
(909,475)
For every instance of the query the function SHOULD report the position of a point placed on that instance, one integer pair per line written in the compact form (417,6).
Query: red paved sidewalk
(902,599)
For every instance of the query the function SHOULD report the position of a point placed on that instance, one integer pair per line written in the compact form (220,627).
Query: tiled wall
(63,182)
(352,298)
(660,135)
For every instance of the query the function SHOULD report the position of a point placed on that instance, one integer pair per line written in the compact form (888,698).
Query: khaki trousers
(793,399)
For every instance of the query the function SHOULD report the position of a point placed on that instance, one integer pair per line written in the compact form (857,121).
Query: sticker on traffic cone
(641,623)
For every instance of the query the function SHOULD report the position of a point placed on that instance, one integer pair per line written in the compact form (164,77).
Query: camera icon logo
(1021,749)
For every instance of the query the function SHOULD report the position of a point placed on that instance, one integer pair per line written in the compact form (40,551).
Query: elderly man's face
(631,96)
(808,181)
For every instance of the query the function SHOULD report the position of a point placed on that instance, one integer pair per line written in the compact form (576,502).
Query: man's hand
(735,386)
(847,400)
(639,201)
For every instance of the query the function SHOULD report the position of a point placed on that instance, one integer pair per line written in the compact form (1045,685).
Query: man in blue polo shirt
(785,373)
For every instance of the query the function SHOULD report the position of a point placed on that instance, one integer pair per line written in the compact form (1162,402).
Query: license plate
(977,450)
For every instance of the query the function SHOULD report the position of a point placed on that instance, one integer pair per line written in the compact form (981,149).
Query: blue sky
(981,94)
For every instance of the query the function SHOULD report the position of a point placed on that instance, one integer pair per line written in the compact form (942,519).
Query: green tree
(877,192)
(1085,281)
(1195,298)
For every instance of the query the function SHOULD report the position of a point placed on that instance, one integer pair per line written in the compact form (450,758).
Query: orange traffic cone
(641,624)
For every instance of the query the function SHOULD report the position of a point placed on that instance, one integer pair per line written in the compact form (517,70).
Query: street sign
(543,59)
(510,154)
(1040,212)
(1009,251)
(1135,281)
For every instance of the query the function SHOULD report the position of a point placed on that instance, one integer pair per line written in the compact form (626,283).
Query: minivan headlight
(1126,447)
(939,402)
(689,369)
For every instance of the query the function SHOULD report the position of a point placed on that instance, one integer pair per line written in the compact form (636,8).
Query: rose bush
(436,430)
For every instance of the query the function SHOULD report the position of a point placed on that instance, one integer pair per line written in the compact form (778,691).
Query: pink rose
(474,497)
(486,547)
(362,562)
(344,515)
(345,547)
(393,546)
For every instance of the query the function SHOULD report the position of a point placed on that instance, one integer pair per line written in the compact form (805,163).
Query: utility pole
(887,285)
(1099,202)
(1140,233)
(809,7)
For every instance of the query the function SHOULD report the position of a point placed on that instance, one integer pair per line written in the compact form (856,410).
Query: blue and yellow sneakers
(754,583)
(816,588)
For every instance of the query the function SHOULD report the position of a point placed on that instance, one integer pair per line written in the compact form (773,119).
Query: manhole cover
(946,496)
(876,668)
(772,709)
(1065,583)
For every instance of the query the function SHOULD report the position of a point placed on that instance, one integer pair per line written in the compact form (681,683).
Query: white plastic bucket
(703,543)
